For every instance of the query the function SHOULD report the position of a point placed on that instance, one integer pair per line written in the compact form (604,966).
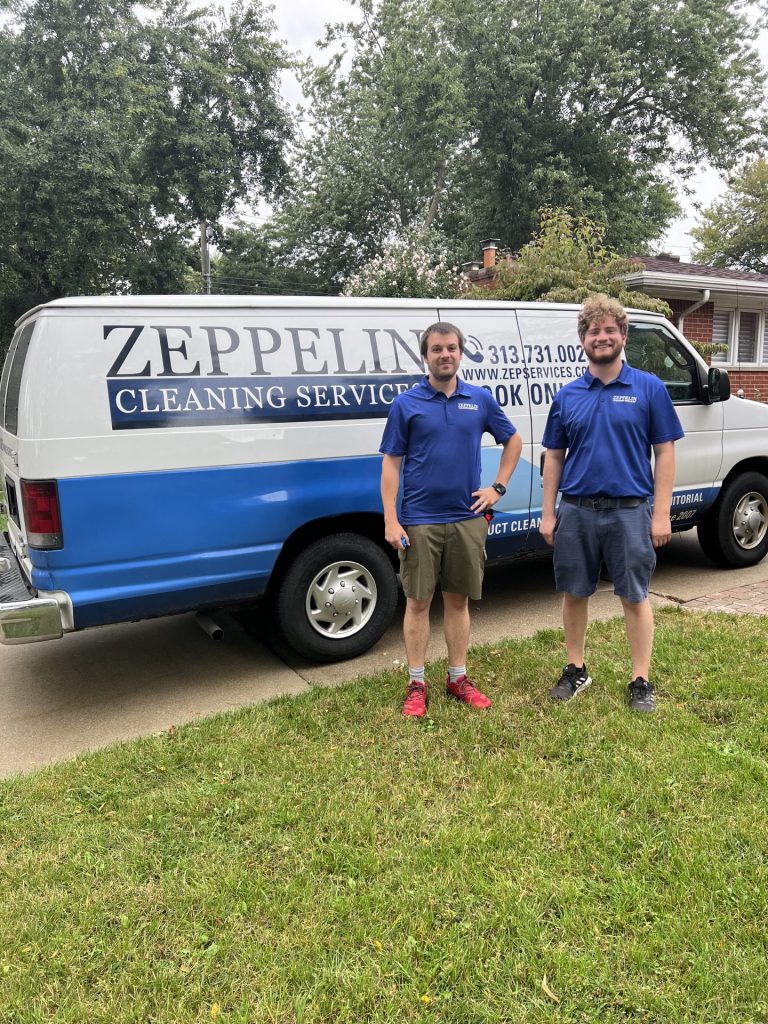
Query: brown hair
(443,327)
(598,307)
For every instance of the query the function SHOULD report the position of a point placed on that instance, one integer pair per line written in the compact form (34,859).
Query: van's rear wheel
(735,531)
(337,597)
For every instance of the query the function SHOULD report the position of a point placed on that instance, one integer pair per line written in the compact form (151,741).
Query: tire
(336,598)
(735,531)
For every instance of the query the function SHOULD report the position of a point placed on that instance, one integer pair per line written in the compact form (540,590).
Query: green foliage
(471,115)
(251,260)
(119,133)
(567,260)
(708,348)
(390,114)
(733,231)
(585,105)
(416,266)
(218,129)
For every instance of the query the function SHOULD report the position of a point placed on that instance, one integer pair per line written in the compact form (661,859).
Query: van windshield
(10,386)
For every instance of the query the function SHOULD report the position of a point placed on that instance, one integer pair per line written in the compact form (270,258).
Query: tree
(385,147)
(219,129)
(733,232)
(251,260)
(118,135)
(472,115)
(584,104)
(565,261)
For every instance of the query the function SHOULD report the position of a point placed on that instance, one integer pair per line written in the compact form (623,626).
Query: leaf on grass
(548,991)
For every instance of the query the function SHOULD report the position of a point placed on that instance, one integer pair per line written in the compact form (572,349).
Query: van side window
(11,385)
(6,373)
(652,348)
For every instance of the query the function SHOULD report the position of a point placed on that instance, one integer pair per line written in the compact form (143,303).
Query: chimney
(469,267)
(489,247)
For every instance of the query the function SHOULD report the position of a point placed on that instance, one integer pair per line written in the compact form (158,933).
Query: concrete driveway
(90,689)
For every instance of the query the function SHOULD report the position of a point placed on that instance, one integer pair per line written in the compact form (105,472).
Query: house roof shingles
(663,266)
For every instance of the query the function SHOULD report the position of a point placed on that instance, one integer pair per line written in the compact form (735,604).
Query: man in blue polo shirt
(433,433)
(599,436)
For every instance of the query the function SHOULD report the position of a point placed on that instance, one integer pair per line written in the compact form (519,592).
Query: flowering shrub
(416,266)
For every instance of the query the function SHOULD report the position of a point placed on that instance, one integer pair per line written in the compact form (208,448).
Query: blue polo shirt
(608,431)
(439,440)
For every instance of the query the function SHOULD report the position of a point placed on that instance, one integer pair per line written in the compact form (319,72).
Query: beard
(603,358)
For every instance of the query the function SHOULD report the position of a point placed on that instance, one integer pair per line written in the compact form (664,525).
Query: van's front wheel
(337,597)
(735,531)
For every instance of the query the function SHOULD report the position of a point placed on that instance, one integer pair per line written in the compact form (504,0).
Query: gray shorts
(454,553)
(619,537)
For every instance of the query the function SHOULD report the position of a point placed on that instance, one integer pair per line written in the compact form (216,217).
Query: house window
(745,332)
(721,327)
(747,337)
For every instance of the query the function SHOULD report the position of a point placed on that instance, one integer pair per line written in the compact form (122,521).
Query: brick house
(711,305)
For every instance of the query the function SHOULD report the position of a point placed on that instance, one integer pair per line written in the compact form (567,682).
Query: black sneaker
(572,681)
(641,696)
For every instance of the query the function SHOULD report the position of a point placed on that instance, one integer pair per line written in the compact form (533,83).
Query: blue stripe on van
(137,545)
(151,544)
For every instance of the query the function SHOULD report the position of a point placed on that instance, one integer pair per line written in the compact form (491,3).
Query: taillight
(40,499)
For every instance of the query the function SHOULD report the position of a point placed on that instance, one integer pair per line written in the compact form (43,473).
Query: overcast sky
(301,23)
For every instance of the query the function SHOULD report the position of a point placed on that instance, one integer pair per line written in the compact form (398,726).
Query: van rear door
(10,400)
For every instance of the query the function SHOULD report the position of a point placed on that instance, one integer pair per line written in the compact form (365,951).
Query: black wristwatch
(499,488)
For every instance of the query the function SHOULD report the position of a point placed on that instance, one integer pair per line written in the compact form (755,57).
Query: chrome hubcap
(750,520)
(341,599)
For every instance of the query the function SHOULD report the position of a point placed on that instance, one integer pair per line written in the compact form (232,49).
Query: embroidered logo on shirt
(469,405)
(625,398)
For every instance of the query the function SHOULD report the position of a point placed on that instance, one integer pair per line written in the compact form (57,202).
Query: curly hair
(598,307)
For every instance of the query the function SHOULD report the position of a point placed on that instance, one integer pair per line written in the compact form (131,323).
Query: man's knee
(455,602)
(416,606)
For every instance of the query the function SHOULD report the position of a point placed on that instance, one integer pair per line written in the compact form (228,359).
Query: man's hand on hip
(486,498)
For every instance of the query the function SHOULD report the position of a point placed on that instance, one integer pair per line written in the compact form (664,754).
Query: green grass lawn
(320,859)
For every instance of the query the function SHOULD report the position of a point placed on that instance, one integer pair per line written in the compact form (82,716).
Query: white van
(167,453)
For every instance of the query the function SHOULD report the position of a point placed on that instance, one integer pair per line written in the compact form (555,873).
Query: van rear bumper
(24,618)
(25,622)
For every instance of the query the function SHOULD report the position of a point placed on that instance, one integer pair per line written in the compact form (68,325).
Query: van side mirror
(718,386)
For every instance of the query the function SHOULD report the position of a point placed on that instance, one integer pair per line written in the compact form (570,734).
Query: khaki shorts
(452,552)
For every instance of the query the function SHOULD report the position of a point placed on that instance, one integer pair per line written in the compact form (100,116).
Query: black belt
(601,503)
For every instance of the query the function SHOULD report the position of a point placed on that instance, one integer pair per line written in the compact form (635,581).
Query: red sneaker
(415,705)
(464,690)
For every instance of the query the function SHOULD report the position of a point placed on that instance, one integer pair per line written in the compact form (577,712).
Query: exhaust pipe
(209,626)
